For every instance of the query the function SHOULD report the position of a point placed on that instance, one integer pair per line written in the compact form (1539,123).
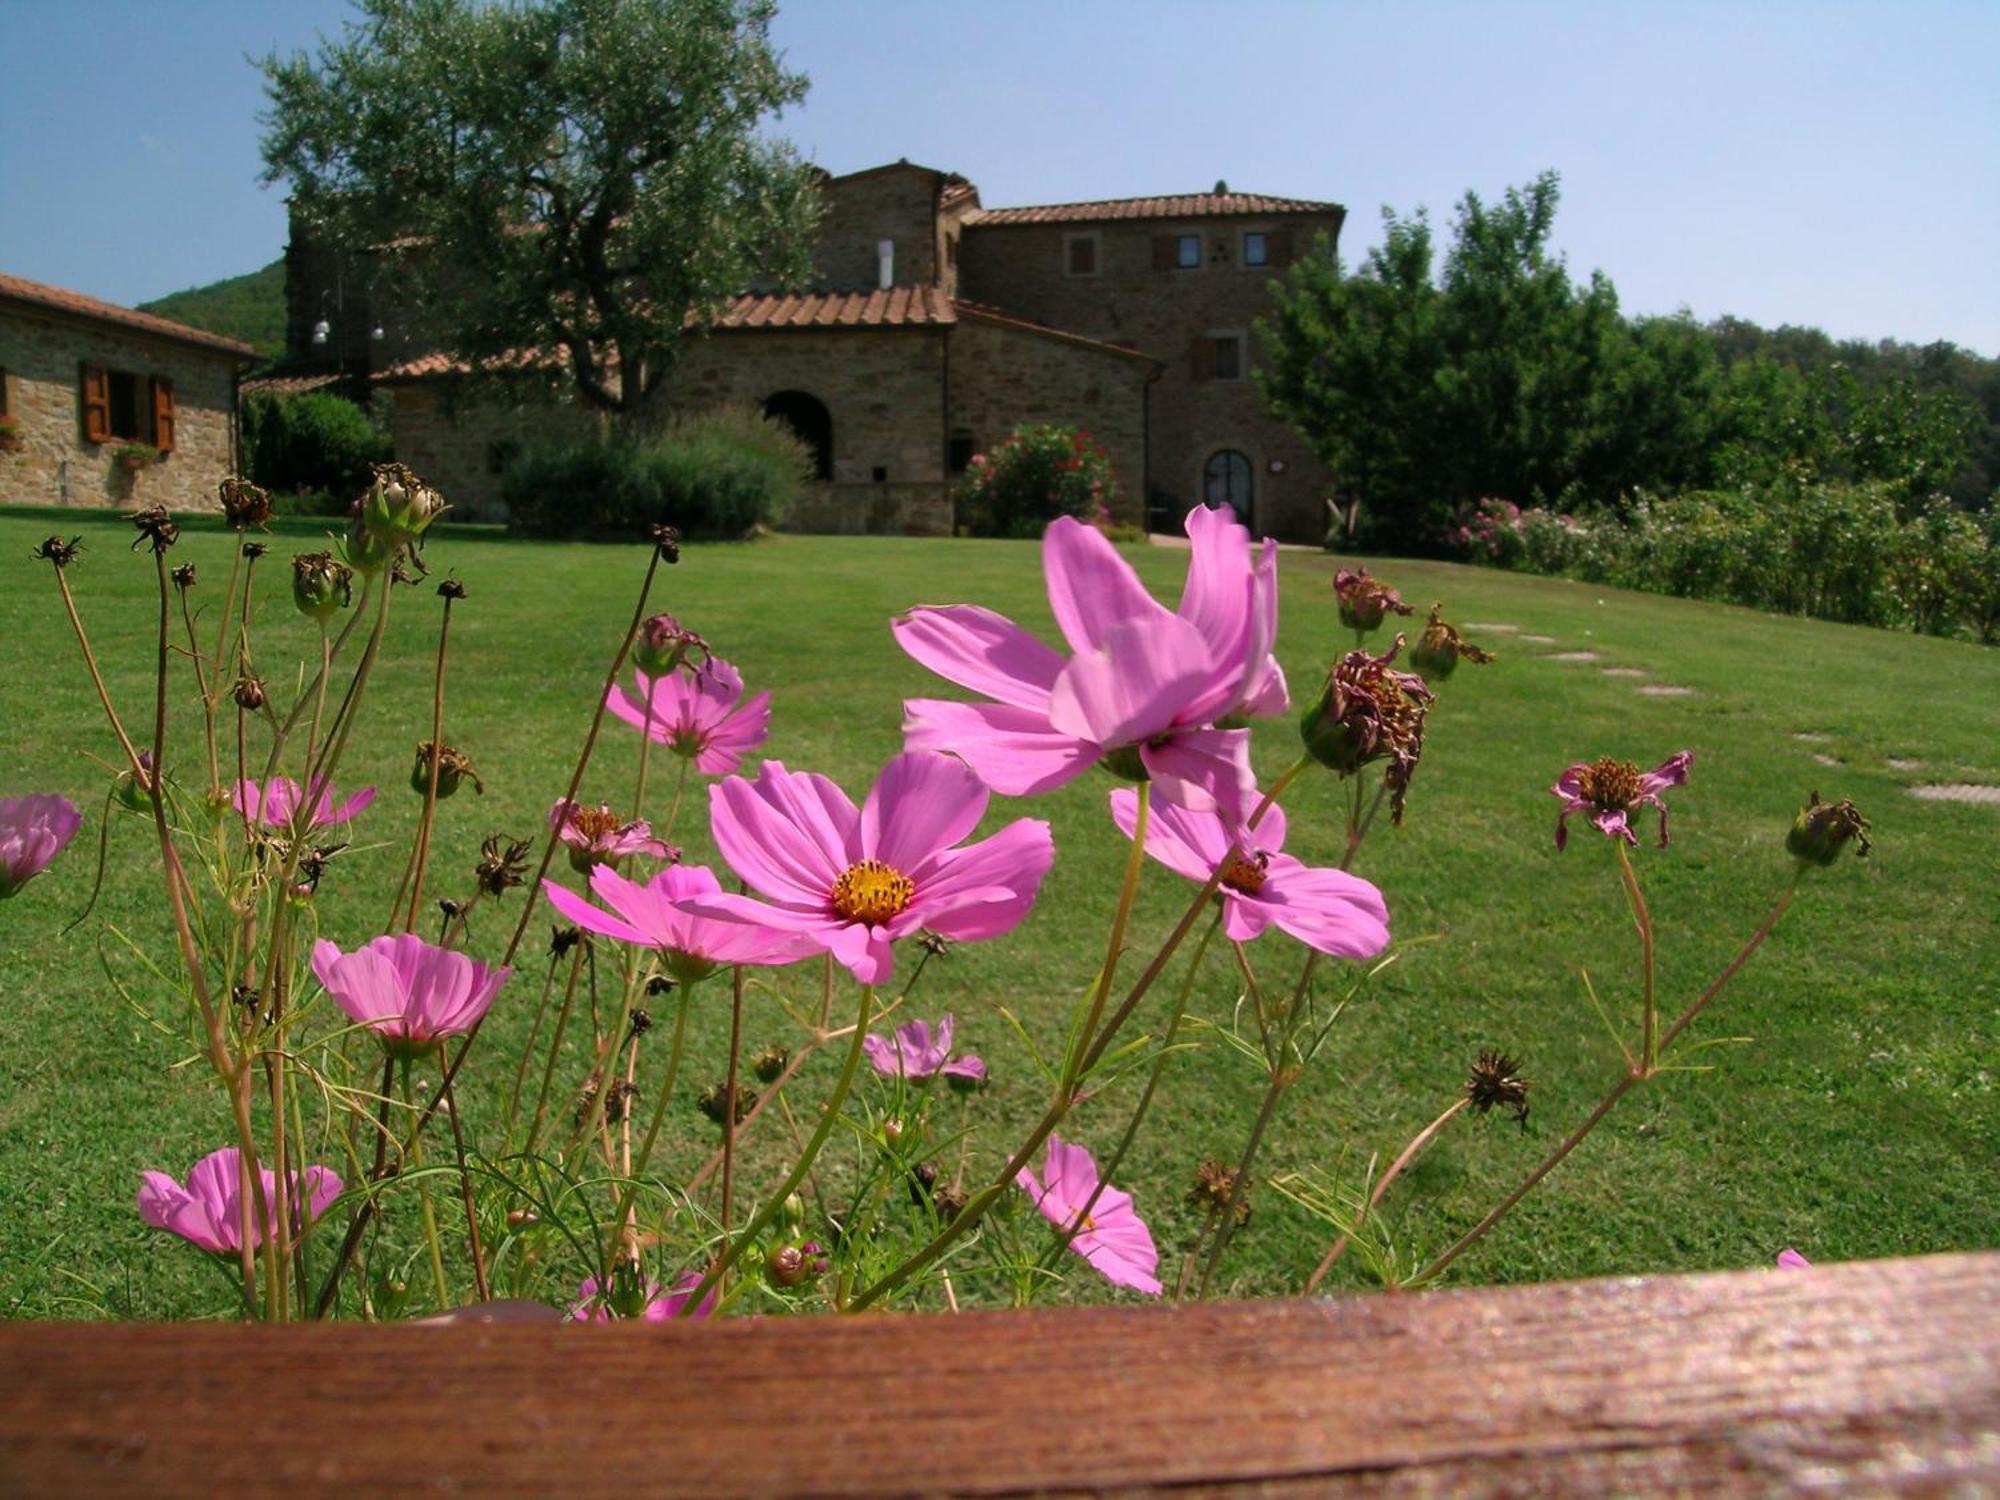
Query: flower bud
(362,550)
(769,1063)
(391,1295)
(321,587)
(248,693)
(786,1265)
(629,1292)
(453,769)
(1822,828)
(1364,601)
(1439,648)
(663,645)
(399,507)
(792,1212)
(134,791)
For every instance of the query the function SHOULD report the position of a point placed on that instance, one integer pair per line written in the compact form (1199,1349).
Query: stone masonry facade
(934,327)
(82,379)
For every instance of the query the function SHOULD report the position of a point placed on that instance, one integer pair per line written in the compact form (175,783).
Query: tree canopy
(585,178)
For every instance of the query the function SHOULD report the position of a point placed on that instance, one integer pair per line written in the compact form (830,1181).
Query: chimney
(885,259)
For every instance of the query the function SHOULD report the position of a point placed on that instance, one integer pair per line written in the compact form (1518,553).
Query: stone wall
(1003,376)
(1171,314)
(873,510)
(461,447)
(56,466)
(896,203)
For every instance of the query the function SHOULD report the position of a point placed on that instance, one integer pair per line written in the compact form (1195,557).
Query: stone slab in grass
(1958,791)
(1539,640)
(1828,760)
(1574,656)
(1623,672)
(1812,737)
(1665,690)
(1903,763)
(1488,625)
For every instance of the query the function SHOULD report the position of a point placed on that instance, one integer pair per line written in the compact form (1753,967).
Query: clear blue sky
(1817,163)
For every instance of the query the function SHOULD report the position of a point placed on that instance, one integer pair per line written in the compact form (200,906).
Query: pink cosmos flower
(1111,1236)
(207,1212)
(854,881)
(596,837)
(276,803)
(916,1053)
(407,991)
(33,830)
(1331,910)
(1790,1260)
(1611,790)
(1145,686)
(659,915)
(661,1306)
(697,714)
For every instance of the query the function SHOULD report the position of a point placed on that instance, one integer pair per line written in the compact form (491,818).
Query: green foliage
(1043,470)
(1845,551)
(250,307)
(582,176)
(312,444)
(713,474)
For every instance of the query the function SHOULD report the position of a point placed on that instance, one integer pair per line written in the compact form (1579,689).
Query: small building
(88,387)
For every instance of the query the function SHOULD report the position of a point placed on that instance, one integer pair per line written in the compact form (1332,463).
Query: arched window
(1227,481)
(810,421)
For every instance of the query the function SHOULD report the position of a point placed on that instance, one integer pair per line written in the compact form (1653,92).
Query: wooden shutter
(96,392)
(1278,248)
(1201,358)
(163,415)
(1166,252)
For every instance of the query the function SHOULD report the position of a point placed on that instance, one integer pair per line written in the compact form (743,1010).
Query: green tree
(578,176)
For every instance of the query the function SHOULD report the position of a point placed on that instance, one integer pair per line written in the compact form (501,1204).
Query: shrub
(312,442)
(1043,470)
(712,474)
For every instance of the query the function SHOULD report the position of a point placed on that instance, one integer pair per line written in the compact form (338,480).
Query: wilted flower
(1496,1081)
(409,992)
(1111,1235)
(628,1296)
(503,864)
(451,589)
(1822,829)
(155,527)
(398,507)
(595,836)
(208,1211)
(1611,790)
(1439,648)
(713,1102)
(1146,691)
(770,1064)
(663,646)
(1215,1189)
(276,804)
(916,1052)
(61,553)
(243,504)
(1331,910)
(33,830)
(1368,712)
(668,540)
(697,715)
(183,576)
(454,768)
(852,881)
(1363,601)
(321,586)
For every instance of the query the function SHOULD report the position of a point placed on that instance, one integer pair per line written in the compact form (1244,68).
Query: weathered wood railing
(1877,1376)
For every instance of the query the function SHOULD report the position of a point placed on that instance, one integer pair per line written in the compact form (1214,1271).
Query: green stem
(801,1167)
(1121,917)
(1649,1044)
(431,1238)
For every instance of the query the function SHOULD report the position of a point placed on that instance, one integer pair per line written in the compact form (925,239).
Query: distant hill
(249,307)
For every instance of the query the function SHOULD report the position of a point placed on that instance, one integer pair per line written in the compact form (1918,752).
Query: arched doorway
(810,421)
(1227,479)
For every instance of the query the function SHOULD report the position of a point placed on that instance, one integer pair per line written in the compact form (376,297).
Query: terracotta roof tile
(57,299)
(898,307)
(1181,206)
(425,365)
(288,385)
(980,312)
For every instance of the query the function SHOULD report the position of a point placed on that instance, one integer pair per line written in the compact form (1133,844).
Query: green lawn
(1858,1117)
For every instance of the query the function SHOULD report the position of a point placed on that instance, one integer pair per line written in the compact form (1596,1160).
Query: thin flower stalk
(1408,1154)
(729,1095)
(425,824)
(555,1045)
(1643,920)
(534,1035)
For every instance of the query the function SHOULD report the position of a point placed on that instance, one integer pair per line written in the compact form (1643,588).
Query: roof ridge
(60,299)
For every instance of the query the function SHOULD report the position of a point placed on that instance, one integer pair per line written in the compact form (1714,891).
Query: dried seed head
(1822,829)
(503,864)
(1440,647)
(1496,1081)
(248,693)
(1215,1188)
(156,528)
(562,939)
(664,645)
(1369,712)
(451,588)
(243,504)
(453,769)
(769,1063)
(61,553)
(714,1102)
(1363,601)
(668,540)
(322,586)
(183,576)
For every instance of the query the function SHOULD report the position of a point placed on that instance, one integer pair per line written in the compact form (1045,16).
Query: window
(1080,254)
(881,474)
(1187,251)
(500,455)
(121,407)
(1256,248)
(1227,480)
(1229,357)
(963,446)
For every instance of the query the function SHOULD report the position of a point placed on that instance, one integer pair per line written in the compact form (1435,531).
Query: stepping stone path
(1497,629)
(1622,672)
(1897,763)
(1574,656)
(1829,760)
(1988,796)
(1665,690)
(1811,737)
(1539,640)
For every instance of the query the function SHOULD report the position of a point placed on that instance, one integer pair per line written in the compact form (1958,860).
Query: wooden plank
(1882,1376)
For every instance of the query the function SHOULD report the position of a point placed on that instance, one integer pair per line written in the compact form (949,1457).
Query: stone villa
(933,327)
(85,386)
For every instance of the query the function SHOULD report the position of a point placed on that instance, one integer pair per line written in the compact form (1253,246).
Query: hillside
(250,307)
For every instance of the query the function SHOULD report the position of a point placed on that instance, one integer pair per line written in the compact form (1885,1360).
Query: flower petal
(1134,684)
(1013,750)
(921,804)
(1091,588)
(981,651)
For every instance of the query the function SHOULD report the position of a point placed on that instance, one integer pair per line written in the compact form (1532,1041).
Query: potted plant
(10,434)
(136,456)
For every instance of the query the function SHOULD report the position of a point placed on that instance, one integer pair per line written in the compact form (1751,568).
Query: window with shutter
(1279,247)
(163,415)
(96,397)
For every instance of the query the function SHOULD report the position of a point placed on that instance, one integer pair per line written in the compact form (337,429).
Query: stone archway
(810,422)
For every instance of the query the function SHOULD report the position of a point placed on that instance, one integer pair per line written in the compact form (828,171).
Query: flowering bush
(1039,473)
(341,1061)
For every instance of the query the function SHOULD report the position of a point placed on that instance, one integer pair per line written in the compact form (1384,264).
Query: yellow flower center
(1609,784)
(1083,1224)
(872,892)
(594,823)
(1246,875)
